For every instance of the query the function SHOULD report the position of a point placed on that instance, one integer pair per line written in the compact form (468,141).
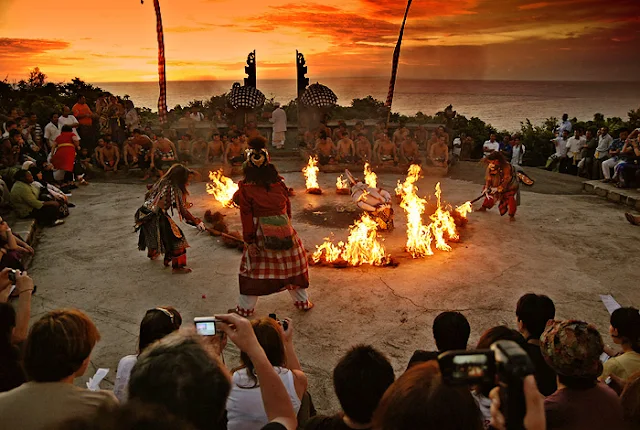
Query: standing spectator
(451,331)
(557,161)
(490,145)
(614,154)
(565,125)
(279,121)
(116,113)
(35,128)
(533,311)
(574,150)
(82,112)
(419,400)
(14,325)
(360,380)
(156,324)
(131,118)
(57,351)
(505,147)
(51,131)
(573,348)
(602,151)
(195,114)
(625,331)
(519,149)
(585,166)
(244,404)
(70,120)
(26,203)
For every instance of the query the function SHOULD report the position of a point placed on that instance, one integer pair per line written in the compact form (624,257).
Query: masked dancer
(502,185)
(273,259)
(159,233)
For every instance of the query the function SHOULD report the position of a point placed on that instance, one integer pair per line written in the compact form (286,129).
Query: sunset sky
(115,40)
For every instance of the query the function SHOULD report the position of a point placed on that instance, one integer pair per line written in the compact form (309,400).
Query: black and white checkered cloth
(245,97)
(318,95)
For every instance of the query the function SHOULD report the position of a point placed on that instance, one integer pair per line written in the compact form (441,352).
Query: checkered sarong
(272,271)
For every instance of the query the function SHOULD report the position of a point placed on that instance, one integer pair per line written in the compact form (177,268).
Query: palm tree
(162,80)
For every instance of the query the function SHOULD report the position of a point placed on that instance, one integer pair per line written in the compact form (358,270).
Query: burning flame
(422,238)
(362,247)
(311,173)
(342,183)
(370,178)
(222,188)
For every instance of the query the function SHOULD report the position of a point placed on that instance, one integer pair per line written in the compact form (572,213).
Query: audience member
(84,116)
(451,331)
(614,155)
(533,311)
(26,203)
(51,130)
(630,399)
(565,125)
(585,166)
(419,400)
(34,127)
(48,192)
(557,160)
(602,151)
(490,145)
(573,348)
(439,153)
(534,418)
(70,120)
(131,117)
(57,351)
(360,379)
(156,324)
(109,156)
(518,151)
(12,248)
(625,331)
(574,150)
(505,147)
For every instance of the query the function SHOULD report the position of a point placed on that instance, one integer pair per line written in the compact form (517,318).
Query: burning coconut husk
(342,186)
(442,227)
(370,178)
(222,188)
(363,246)
(311,176)
(218,227)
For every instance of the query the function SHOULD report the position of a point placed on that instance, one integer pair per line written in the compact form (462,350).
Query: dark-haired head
(179,176)
(533,311)
(66,128)
(420,400)
(625,327)
(259,171)
(322,134)
(156,324)
(497,157)
(451,331)
(257,142)
(268,334)
(493,335)
(23,176)
(360,380)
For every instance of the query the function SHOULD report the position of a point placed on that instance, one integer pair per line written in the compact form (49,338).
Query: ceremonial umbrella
(243,97)
(318,95)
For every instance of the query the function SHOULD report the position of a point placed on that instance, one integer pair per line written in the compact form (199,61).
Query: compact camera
(505,364)
(205,326)
(284,324)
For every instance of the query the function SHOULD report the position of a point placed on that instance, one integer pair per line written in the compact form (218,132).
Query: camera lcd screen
(470,366)
(207,328)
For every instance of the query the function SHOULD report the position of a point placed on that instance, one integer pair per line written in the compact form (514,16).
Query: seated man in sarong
(409,151)
(215,149)
(325,149)
(439,153)
(234,154)
(109,157)
(345,149)
(199,150)
(386,151)
(184,148)
(363,149)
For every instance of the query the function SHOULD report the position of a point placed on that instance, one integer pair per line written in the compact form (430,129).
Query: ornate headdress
(257,157)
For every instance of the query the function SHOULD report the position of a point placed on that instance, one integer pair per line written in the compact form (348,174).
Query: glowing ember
(311,174)
(422,238)
(362,247)
(222,188)
(342,183)
(370,178)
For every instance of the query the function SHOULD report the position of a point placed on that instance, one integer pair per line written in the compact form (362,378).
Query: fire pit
(342,186)
(222,188)
(311,176)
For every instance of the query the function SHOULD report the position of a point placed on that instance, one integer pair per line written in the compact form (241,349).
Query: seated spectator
(615,153)
(185,375)
(533,311)
(324,149)
(419,400)
(625,331)
(630,399)
(26,203)
(587,155)
(14,325)
(573,348)
(244,405)
(57,351)
(95,159)
(557,160)
(109,156)
(48,192)
(12,248)
(360,380)
(602,151)
(451,332)
(36,151)
(156,324)
(534,418)
(488,338)
(439,153)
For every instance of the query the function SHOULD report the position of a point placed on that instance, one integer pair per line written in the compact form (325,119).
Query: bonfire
(222,188)
(370,178)
(362,247)
(342,185)
(311,176)
(442,228)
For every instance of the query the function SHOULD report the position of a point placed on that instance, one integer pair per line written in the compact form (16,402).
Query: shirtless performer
(346,150)
(144,144)
(163,155)
(359,128)
(386,151)
(379,131)
(325,150)
(130,151)
(310,137)
(363,149)
(439,153)
(432,141)
(199,150)
(234,154)
(410,152)
(98,151)
(421,136)
(215,149)
(109,157)
(184,148)
(400,135)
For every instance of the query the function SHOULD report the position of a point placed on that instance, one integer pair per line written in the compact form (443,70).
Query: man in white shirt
(195,115)
(51,131)
(518,151)
(574,150)
(70,120)
(557,160)
(604,142)
(490,145)
(565,125)
(279,121)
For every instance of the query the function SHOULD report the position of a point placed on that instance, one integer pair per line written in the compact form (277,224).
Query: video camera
(505,364)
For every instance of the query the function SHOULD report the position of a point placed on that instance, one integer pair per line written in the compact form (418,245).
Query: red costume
(502,185)
(64,156)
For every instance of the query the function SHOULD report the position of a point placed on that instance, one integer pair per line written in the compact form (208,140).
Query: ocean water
(504,104)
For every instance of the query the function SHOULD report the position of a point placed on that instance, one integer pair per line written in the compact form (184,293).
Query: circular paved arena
(568,245)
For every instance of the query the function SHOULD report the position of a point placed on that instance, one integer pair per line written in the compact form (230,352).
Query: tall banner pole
(162,79)
(394,67)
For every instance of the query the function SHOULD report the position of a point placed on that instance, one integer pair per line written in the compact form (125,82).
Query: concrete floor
(571,247)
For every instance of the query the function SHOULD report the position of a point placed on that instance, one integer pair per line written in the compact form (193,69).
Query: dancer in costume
(375,201)
(502,185)
(159,234)
(273,259)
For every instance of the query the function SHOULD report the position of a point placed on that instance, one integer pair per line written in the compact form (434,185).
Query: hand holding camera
(287,327)
(534,418)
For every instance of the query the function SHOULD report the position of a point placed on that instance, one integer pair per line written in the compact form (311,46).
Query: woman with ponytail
(625,331)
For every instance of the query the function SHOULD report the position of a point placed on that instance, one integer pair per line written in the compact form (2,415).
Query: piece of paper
(604,357)
(610,303)
(94,383)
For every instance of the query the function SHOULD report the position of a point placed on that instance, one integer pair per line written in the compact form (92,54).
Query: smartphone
(205,326)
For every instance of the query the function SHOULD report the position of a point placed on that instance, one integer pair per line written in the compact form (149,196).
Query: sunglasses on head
(164,311)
